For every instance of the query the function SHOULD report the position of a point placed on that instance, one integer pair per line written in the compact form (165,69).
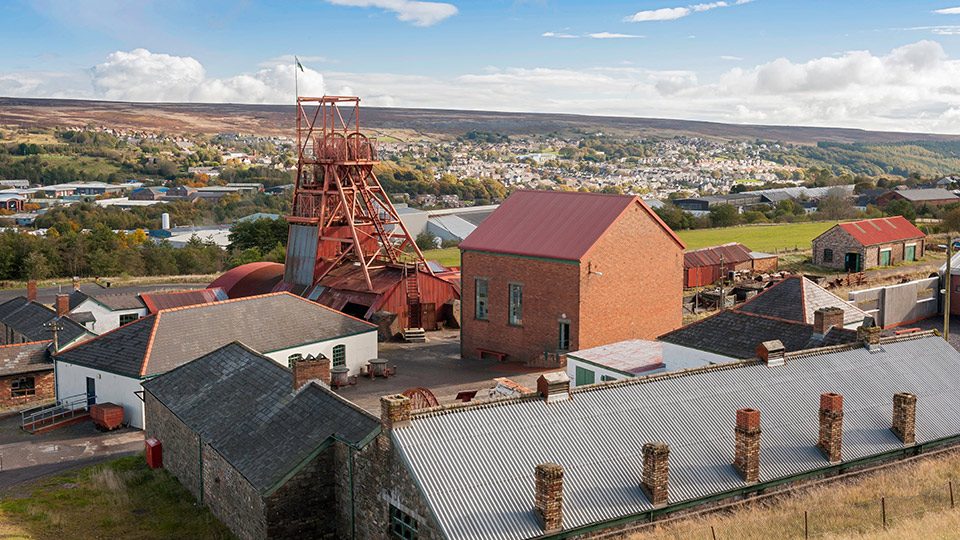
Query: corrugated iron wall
(301,254)
(432,291)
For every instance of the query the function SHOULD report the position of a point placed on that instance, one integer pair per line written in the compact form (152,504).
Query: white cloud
(289,59)
(669,14)
(946,30)
(727,57)
(609,35)
(558,35)
(948,11)
(663,14)
(412,11)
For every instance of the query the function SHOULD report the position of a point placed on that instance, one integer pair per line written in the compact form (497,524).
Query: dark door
(428,313)
(564,343)
(91,391)
(852,262)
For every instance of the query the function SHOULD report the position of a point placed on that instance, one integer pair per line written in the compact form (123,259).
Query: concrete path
(25,457)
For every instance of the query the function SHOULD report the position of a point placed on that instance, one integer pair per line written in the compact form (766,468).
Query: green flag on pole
(298,63)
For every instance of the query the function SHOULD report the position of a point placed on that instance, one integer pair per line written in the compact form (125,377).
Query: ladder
(412,283)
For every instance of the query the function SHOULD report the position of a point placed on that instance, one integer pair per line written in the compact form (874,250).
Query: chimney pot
(826,318)
(63,305)
(32,291)
(308,369)
(905,417)
(747,432)
(656,468)
(554,386)
(772,352)
(548,506)
(831,426)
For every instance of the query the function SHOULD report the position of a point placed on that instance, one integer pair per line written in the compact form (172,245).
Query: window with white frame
(516,304)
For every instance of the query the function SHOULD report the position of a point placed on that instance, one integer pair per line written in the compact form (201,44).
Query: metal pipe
(947,290)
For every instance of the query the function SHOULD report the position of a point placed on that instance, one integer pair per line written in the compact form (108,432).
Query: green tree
(35,266)
(901,207)
(426,240)
(724,215)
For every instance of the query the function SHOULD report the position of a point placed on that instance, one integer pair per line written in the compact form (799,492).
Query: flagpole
(296,81)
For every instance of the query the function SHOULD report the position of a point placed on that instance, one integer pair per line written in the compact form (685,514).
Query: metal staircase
(413,332)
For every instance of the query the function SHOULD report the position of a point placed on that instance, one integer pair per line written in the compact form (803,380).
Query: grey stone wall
(840,242)
(180,445)
(379,479)
(231,498)
(304,507)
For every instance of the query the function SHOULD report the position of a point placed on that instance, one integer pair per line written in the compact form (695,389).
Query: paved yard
(435,365)
(24,456)
(934,323)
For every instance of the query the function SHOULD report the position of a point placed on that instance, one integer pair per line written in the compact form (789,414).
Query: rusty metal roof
(870,232)
(710,256)
(249,279)
(157,301)
(552,224)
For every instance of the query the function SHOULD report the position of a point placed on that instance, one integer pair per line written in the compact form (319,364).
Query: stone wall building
(26,373)
(860,245)
(258,443)
(551,271)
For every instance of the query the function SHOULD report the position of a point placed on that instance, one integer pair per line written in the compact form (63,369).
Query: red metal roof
(249,279)
(710,256)
(157,301)
(881,230)
(552,224)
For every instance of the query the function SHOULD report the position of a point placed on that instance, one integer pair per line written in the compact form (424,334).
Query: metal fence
(860,517)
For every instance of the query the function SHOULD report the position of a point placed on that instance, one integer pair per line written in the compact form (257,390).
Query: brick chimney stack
(747,433)
(869,336)
(32,291)
(549,496)
(772,352)
(76,283)
(394,413)
(831,426)
(656,458)
(63,305)
(308,369)
(826,318)
(904,417)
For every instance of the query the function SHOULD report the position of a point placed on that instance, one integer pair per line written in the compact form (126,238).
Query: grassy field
(766,238)
(447,257)
(917,503)
(122,499)
(92,165)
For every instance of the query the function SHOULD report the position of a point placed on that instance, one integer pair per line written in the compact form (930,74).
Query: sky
(882,65)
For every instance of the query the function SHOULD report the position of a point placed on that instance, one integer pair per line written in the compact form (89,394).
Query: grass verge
(120,499)
(916,499)
(766,238)
(447,257)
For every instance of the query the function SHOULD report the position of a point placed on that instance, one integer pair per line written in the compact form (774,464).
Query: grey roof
(483,485)
(736,334)
(241,403)
(918,195)
(27,318)
(796,298)
(25,358)
(115,302)
(160,342)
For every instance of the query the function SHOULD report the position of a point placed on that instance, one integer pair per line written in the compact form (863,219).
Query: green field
(766,238)
(447,257)
(89,164)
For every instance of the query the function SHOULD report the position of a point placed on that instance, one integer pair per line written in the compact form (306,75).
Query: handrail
(66,407)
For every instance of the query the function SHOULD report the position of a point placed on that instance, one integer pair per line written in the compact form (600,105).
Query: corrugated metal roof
(475,465)
(710,256)
(881,230)
(249,279)
(157,301)
(552,224)
(919,195)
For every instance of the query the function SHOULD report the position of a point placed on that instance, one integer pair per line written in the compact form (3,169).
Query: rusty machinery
(421,398)
(340,211)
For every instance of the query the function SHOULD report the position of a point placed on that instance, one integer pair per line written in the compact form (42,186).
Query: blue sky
(867,64)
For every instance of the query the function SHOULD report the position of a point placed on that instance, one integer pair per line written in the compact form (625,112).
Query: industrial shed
(859,245)
(707,265)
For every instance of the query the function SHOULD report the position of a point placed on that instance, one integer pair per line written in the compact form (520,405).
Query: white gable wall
(71,379)
(106,318)
(360,349)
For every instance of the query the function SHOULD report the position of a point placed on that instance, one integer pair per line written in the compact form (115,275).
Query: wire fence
(857,517)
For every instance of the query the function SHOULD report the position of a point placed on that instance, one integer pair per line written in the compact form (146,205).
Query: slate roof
(164,340)
(483,485)
(27,318)
(870,232)
(920,195)
(795,299)
(25,358)
(241,404)
(115,302)
(552,224)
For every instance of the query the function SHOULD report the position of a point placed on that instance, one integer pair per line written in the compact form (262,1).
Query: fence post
(713,532)
(951,494)
(883,508)
(806,528)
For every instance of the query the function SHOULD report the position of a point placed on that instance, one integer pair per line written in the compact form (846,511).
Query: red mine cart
(154,453)
(106,416)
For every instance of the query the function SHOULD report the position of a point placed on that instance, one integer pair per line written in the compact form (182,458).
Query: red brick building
(26,373)
(554,271)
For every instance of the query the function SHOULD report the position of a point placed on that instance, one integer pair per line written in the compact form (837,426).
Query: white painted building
(111,367)
(634,358)
(101,314)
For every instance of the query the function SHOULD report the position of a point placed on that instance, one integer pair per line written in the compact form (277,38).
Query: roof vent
(772,352)
(554,386)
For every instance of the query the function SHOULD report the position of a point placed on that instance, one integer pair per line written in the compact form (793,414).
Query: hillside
(279,119)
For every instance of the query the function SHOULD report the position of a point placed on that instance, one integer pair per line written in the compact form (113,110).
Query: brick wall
(842,243)
(303,506)
(765,266)
(180,445)
(231,498)
(43,388)
(379,479)
(639,294)
(550,290)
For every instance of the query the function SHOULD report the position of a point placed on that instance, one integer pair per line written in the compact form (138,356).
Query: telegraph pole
(947,290)
(56,327)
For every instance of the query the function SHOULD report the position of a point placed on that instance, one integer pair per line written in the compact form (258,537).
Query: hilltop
(417,123)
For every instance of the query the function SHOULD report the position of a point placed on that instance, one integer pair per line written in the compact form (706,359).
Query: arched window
(339,355)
